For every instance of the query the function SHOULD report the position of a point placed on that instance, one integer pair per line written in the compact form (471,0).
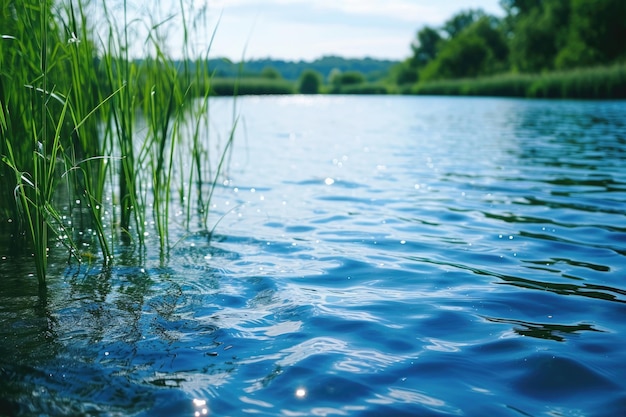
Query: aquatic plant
(89,136)
(35,125)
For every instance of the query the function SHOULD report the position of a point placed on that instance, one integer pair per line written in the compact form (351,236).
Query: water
(377,256)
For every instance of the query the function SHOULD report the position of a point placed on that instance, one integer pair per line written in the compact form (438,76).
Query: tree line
(533,36)
(536,48)
(371,68)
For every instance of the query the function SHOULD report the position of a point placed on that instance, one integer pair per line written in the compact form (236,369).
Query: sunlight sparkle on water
(201,409)
(300,393)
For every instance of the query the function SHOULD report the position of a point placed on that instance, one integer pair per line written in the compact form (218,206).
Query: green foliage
(461,21)
(539,32)
(68,116)
(271,73)
(404,73)
(249,86)
(507,85)
(479,49)
(535,36)
(339,80)
(44,65)
(425,47)
(473,44)
(461,57)
(588,83)
(596,34)
(310,82)
(292,70)
(565,33)
(364,88)
(348,78)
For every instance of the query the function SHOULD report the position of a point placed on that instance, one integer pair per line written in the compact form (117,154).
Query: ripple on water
(547,376)
(396,256)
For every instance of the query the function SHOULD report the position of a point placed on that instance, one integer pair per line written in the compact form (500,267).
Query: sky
(296,30)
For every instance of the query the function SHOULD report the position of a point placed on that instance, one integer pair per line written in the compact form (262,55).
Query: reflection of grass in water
(69,135)
(556,332)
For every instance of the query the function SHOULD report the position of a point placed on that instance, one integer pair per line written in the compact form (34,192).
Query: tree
(425,46)
(347,78)
(490,30)
(310,82)
(596,35)
(461,21)
(479,49)
(463,56)
(515,7)
(404,73)
(538,32)
(339,79)
(271,73)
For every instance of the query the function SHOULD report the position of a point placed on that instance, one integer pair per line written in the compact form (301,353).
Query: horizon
(212,58)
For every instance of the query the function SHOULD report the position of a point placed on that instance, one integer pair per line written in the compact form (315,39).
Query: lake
(373,256)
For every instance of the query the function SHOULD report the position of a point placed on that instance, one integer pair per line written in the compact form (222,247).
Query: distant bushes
(265,86)
(510,85)
(607,82)
(250,86)
(362,88)
(310,82)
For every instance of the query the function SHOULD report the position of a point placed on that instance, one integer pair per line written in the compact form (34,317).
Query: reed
(89,137)
(34,119)
(604,82)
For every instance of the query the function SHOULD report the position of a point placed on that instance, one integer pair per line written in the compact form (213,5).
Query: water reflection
(300,393)
(547,331)
(200,407)
(601,292)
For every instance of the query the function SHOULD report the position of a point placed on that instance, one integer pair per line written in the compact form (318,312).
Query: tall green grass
(606,82)
(38,124)
(91,139)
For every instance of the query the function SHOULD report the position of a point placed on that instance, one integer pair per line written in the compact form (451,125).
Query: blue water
(374,256)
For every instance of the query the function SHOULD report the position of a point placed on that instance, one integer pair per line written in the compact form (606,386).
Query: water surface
(374,256)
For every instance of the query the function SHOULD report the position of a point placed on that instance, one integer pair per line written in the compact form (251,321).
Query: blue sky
(309,29)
